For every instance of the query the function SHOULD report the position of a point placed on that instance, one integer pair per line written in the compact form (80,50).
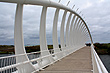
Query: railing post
(19,42)
(82,33)
(70,34)
(62,32)
(74,34)
(43,42)
(67,32)
(77,36)
(55,37)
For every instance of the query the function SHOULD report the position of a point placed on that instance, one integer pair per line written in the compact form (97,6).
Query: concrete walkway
(77,62)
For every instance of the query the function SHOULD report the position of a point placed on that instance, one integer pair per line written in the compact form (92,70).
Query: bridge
(72,57)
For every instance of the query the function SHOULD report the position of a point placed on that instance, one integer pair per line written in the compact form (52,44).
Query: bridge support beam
(73,34)
(76,36)
(55,37)
(19,42)
(67,33)
(62,42)
(70,34)
(43,43)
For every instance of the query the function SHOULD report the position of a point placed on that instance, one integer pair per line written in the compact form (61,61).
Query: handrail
(78,37)
(32,60)
(100,66)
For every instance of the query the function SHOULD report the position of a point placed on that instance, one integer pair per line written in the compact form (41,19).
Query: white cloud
(100,1)
(96,13)
(86,5)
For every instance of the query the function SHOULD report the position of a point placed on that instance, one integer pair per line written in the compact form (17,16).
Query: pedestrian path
(77,62)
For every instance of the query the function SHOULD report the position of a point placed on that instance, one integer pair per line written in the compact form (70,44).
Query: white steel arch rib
(19,42)
(43,42)
(70,32)
(62,30)
(55,37)
(77,33)
(67,30)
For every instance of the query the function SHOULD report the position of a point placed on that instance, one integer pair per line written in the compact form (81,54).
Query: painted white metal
(19,42)
(73,41)
(55,23)
(67,30)
(76,36)
(79,34)
(70,33)
(43,42)
(55,37)
(98,66)
(67,34)
(62,42)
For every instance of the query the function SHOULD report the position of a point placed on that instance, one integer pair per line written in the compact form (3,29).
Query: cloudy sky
(96,13)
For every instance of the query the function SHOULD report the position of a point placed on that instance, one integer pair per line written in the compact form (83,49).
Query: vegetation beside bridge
(101,48)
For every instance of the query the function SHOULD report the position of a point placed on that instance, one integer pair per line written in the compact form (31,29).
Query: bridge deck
(77,62)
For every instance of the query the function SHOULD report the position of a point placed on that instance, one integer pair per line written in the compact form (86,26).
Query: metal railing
(77,34)
(8,63)
(98,66)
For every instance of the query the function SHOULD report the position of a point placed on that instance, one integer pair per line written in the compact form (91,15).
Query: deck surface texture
(77,62)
